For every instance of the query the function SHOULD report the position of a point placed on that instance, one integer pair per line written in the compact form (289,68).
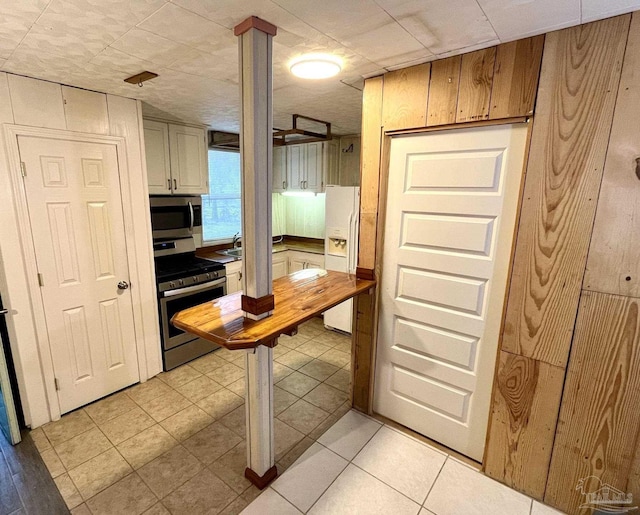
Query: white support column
(255,48)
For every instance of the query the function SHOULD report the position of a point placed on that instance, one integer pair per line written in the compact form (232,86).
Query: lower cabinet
(303,260)
(234,271)
(234,276)
(279,265)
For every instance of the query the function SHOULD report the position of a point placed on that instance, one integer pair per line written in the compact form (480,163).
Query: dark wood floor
(26,487)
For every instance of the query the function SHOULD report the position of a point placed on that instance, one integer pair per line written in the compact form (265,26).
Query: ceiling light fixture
(316,66)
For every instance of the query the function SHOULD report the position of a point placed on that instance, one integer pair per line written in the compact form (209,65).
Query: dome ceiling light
(316,66)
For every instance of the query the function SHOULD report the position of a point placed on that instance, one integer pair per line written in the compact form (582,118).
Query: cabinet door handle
(240,276)
(284,185)
(169,184)
(175,184)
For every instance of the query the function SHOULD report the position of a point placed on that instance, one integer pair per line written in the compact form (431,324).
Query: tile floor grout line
(434,482)
(385,483)
(348,461)
(329,486)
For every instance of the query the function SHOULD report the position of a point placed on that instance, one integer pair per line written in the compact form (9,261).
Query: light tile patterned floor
(360,466)
(175,444)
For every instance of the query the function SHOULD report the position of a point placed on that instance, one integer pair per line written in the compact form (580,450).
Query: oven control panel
(193,280)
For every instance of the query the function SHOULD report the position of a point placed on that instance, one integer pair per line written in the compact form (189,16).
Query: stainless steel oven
(183,281)
(181,298)
(176,217)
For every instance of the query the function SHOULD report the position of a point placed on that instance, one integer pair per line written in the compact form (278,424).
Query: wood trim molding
(258,306)
(461,125)
(253,22)
(261,481)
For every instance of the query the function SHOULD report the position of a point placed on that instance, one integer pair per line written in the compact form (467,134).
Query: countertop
(298,297)
(314,247)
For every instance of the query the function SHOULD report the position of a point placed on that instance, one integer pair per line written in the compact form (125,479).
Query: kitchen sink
(237,253)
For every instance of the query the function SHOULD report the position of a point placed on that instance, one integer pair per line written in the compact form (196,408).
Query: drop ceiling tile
(29,10)
(15,23)
(338,17)
(204,64)
(231,12)
(389,43)
(515,19)
(43,65)
(64,44)
(361,25)
(433,24)
(85,20)
(115,62)
(597,9)
(150,47)
(129,11)
(178,24)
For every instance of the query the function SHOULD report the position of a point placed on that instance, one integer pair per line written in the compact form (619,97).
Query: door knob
(123,285)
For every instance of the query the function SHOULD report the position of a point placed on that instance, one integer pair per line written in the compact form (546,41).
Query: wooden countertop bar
(298,297)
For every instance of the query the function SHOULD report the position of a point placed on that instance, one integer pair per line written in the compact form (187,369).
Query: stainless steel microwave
(176,217)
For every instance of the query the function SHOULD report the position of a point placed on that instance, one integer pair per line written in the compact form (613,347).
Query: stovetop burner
(183,265)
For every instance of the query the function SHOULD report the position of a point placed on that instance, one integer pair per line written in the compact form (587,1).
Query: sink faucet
(236,239)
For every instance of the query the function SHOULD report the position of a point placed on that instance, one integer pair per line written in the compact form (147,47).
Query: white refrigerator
(342,209)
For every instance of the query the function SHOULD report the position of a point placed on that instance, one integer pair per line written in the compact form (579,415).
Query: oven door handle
(195,288)
(191,216)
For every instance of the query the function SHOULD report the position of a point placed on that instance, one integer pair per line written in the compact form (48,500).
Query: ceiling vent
(139,78)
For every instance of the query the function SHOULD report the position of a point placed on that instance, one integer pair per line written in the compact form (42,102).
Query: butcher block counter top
(298,297)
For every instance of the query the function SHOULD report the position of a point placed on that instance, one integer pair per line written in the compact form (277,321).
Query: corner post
(256,149)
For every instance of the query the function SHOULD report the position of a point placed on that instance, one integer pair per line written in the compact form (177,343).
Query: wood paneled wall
(581,67)
(567,382)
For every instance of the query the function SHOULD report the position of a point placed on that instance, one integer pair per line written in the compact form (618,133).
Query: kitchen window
(221,208)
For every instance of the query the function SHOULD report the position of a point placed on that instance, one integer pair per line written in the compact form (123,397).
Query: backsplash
(298,216)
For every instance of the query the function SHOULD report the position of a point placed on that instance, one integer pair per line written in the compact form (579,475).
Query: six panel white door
(75,210)
(451,212)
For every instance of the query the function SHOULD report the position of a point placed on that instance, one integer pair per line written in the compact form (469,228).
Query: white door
(188,152)
(75,210)
(451,211)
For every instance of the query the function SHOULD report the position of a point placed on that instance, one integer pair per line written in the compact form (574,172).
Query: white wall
(304,216)
(34,103)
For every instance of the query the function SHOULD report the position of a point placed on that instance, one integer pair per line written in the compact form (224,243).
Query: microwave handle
(192,217)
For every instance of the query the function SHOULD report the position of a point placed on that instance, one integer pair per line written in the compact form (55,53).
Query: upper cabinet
(176,159)
(279,169)
(304,167)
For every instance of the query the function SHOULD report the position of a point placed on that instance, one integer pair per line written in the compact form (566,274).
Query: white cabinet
(279,169)
(234,276)
(304,167)
(303,260)
(280,266)
(176,159)
(156,142)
